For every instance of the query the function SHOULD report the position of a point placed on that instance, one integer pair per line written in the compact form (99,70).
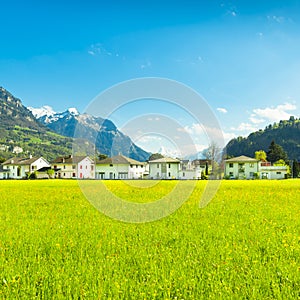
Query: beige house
(120,167)
(74,167)
(18,167)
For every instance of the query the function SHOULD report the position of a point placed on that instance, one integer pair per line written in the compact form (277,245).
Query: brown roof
(242,158)
(70,159)
(20,161)
(119,159)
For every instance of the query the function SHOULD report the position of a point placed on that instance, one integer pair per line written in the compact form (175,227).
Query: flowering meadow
(245,244)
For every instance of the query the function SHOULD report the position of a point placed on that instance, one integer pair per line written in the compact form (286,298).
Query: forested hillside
(286,133)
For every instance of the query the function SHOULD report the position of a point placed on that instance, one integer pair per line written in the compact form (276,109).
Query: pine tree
(276,153)
(296,169)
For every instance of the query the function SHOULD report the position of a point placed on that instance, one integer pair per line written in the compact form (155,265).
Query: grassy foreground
(244,245)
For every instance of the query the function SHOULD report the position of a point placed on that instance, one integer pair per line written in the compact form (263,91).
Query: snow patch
(42,111)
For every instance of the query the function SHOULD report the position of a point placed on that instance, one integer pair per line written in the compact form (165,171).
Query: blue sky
(241,56)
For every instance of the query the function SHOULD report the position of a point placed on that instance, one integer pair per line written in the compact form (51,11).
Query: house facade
(243,167)
(267,171)
(190,170)
(17,167)
(120,167)
(74,167)
(4,173)
(164,168)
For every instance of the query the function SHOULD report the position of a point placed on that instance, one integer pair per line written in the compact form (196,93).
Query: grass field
(244,245)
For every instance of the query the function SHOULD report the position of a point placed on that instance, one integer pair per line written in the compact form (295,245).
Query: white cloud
(145,65)
(228,136)
(245,127)
(277,19)
(274,114)
(255,120)
(222,110)
(99,49)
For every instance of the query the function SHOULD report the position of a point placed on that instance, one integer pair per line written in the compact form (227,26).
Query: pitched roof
(20,161)
(241,158)
(165,160)
(70,159)
(119,159)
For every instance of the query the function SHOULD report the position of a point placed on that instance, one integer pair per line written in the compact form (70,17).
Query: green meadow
(245,244)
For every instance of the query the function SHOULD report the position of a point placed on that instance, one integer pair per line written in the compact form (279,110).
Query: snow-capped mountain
(47,115)
(169,152)
(103,133)
(42,111)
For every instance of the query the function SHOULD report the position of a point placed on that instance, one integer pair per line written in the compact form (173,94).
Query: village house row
(122,167)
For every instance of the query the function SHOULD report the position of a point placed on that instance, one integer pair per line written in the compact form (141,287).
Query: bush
(33,175)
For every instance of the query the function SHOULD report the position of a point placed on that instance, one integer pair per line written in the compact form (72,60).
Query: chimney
(30,156)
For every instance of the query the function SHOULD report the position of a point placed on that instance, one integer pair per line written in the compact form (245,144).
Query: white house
(189,170)
(164,168)
(18,167)
(243,167)
(74,167)
(267,171)
(120,167)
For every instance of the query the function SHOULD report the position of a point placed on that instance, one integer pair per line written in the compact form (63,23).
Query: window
(230,165)
(137,166)
(111,165)
(169,174)
(64,167)
(64,174)
(183,174)
(131,166)
(86,167)
(74,175)
(73,167)
(251,165)
(169,166)
(157,166)
(278,173)
(92,167)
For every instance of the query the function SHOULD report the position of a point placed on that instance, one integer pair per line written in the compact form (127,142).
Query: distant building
(17,150)
(74,167)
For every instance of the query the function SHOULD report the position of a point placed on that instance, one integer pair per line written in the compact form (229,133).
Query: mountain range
(44,132)
(98,131)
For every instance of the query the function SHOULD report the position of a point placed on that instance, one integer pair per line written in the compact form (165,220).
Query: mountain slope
(102,133)
(286,133)
(19,130)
